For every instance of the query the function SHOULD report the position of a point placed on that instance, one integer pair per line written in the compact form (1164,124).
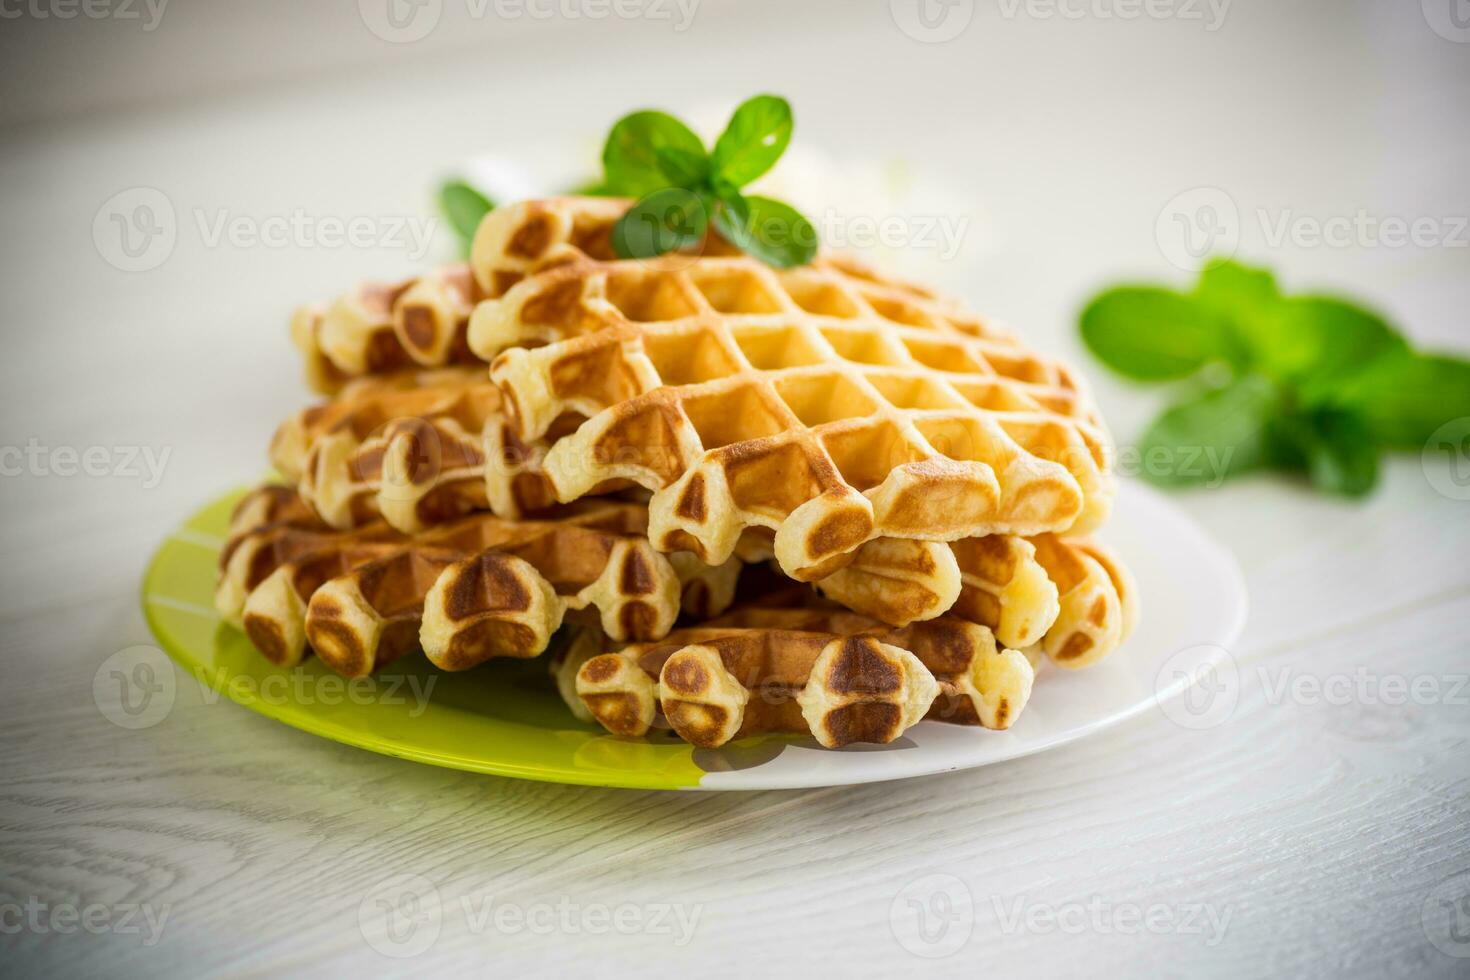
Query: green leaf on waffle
(463,207)
(773,232)
(754,140)
(650,153)
(665,221)
(630,157)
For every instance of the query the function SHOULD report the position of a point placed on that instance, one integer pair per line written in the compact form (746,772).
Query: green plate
(504,718)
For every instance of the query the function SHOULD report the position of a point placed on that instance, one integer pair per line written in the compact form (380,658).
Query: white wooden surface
(1316,833)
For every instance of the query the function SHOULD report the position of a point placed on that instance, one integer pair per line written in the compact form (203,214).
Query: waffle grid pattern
(834,675)
(466,591)
(749,410)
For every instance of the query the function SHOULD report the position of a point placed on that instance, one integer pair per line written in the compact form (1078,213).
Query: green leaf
(1209,438)
(1403,400)
(754,140)
(665,221)
(1242,296)
(683,168)
(463,207)
(1151,334)
(630,157)
(591,188)
(769,230)
(1317,342)
(1237,289)
(1333,446)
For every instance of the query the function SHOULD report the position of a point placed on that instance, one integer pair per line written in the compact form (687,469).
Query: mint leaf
(1236,290)
(649,154)
(463,207)
(591,188)
(1151,334)
(1316,342)
(1404,399)
(1213,436)
(630,156)
(683,168)
(754,140)
(769,230)
(1333,446)
(1242,296)
(1324,385)
(665,221)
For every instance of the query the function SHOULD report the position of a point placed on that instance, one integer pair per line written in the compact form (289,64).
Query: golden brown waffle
(1098,596)
(897,581)
(379,327)
(383,327)
(832,674)
(414,449)
(474,589)
(533,235)
(1070,596)
(823,403)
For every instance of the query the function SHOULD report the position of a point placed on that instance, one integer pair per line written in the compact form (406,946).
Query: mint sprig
(1312,384)
(683,189)
(463,206)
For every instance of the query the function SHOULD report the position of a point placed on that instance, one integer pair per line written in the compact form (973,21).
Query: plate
(505,718)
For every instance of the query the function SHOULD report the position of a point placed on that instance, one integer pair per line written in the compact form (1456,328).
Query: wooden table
(1313,833)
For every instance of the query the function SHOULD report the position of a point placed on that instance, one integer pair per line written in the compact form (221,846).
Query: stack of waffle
(750,500)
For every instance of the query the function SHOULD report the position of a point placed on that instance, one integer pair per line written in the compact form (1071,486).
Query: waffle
(414,449)
(470,590)
(822,403)
(565,662)
(1098,597)
(1070,596)
(383,327)
(834,675)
